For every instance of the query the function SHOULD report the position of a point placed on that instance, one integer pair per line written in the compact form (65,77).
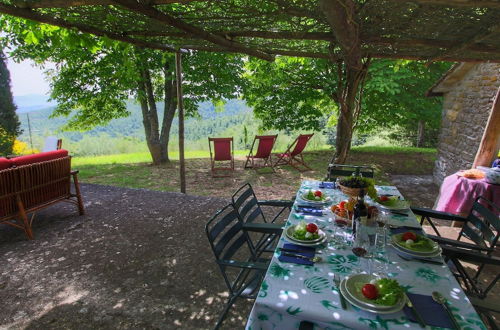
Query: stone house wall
(467,104)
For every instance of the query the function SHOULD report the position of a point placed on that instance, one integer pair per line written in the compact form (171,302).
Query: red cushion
(4,163)
(41,157)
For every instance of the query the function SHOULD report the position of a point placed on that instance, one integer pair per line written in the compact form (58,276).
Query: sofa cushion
(41,157)
(4,163)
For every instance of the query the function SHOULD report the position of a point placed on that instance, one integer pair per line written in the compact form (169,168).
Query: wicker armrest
(437,214)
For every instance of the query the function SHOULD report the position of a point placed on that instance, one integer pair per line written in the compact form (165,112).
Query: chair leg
(26,223)
(222,316)
(81,209)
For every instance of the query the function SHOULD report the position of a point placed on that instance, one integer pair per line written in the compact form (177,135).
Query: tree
(9,122)
(300,93)
(94,78)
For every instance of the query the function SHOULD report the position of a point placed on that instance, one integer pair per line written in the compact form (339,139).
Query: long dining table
(291,293)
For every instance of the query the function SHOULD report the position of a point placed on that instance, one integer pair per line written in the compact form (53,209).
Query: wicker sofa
(33,182)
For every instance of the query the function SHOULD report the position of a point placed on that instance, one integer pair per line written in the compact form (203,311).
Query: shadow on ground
(138,259)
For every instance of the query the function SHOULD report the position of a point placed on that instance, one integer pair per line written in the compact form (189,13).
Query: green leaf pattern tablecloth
(291,293)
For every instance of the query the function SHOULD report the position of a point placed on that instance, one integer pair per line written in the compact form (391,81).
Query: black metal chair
(242,269)
(484,307)
(481,226)
(341,170)
(250,212)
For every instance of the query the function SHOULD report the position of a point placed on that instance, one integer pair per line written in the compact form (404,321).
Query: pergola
(343,31)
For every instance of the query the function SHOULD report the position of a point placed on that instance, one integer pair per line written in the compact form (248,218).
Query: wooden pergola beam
(77,3)
(322,36)
(42,18)
(494,30)
(164,18)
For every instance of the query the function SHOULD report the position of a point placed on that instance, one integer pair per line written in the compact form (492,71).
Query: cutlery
(415,312)
(310,207)
(427,261)
(289,250)
(295,255)
(440,299)
(336,282)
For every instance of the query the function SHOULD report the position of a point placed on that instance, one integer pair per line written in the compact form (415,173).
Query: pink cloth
(457,194)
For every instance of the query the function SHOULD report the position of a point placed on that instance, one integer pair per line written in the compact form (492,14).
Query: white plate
(437,248)
(305,200)
(291,240)
(403,205)
(416,255)
(351,288)
(289,233)
(396,308)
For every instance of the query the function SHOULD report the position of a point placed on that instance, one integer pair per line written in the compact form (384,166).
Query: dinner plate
(394,309)
(354,290)
(322,202)
(397,243)
(400,205)
(412,254)
(289,234)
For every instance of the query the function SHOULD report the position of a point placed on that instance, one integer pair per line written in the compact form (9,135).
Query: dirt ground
(139,259)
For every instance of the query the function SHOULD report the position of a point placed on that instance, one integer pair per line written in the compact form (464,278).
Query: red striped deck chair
(294,157)
(223,152)
(263,154)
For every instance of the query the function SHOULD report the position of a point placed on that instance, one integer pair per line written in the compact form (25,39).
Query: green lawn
(135,170)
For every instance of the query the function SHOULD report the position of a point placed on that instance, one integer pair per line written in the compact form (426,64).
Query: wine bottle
(360,215)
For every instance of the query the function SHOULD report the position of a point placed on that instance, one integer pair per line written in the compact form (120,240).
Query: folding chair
(341,170)
(481,226)
(250,212)
(294,157)
(241,268)
(223,152)
(264,149)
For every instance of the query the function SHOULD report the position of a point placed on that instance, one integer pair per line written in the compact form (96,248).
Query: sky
(27,79)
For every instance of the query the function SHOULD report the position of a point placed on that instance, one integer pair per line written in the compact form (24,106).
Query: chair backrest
(51,143)
(300,143)
(483,225)
(246,204)
(223,148)
(228,240)
(340,170)
(265,147)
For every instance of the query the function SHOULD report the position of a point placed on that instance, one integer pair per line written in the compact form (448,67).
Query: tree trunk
(169,106)
(420,133)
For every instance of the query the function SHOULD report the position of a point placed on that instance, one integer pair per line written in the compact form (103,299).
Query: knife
(336,281)
(294,255)
(415,312)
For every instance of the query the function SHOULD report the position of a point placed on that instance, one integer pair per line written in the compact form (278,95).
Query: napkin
(433,313)
(327,185)
(309,211)
(298,249)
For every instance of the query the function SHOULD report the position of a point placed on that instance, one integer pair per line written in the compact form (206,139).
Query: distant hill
(32,102)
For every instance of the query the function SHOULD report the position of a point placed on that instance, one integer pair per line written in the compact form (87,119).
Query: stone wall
(466,108)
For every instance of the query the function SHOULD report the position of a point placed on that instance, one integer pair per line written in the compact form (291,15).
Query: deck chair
(52,143)
(294,157)
(341,170)
(264,149)
(242,270)
(481,226)
(223,151)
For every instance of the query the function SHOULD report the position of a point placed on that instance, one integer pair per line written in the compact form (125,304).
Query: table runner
(291,293)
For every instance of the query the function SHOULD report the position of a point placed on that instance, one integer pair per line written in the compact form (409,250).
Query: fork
(336,281)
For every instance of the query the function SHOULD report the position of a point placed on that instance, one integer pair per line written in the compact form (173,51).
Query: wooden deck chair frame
(289,157)
(267,161)
(213,159)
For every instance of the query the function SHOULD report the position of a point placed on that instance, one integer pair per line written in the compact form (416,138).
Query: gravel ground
(138,259)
